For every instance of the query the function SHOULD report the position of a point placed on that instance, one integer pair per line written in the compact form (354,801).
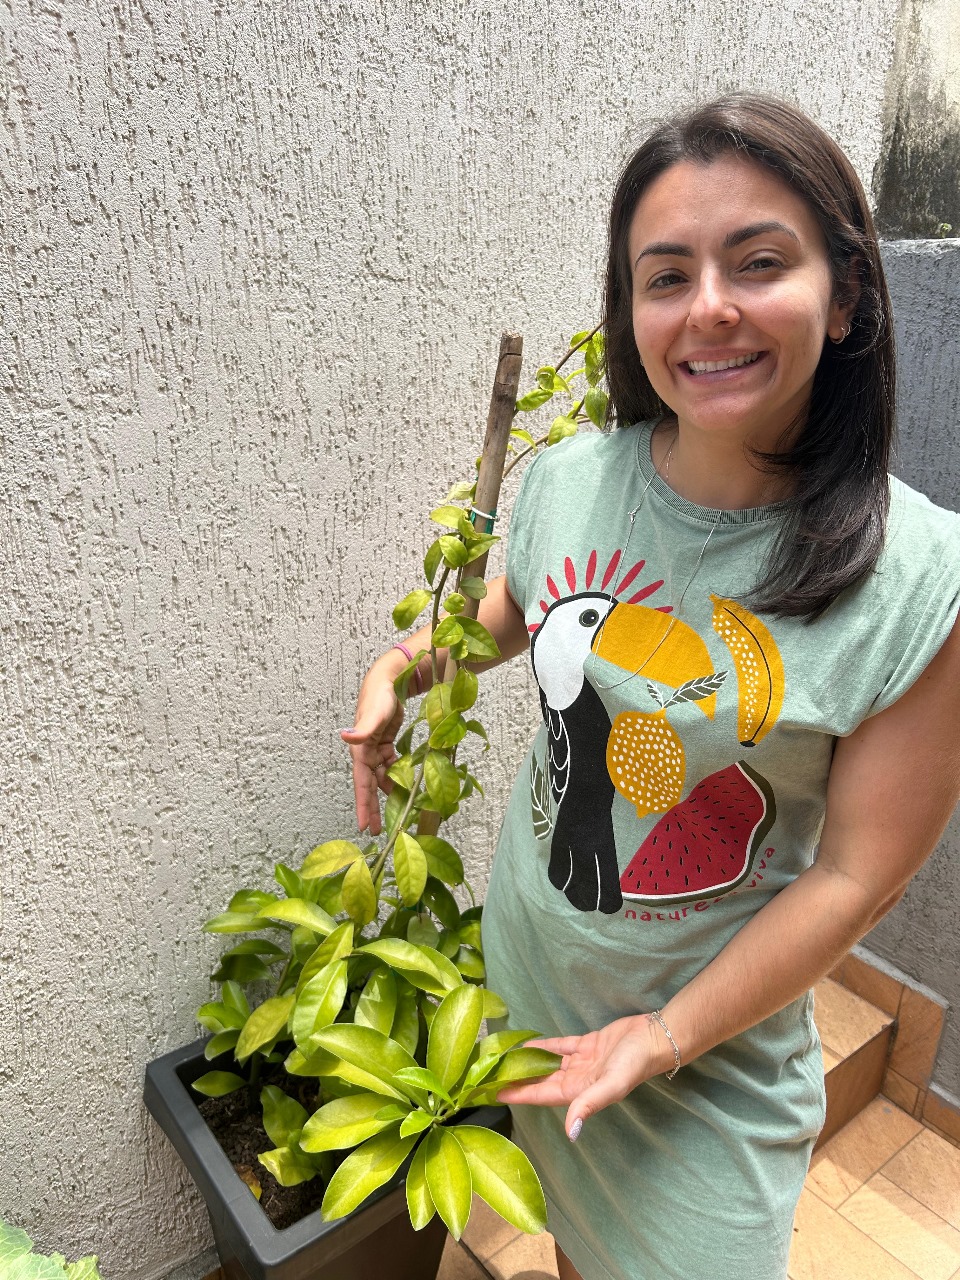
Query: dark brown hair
(834,525)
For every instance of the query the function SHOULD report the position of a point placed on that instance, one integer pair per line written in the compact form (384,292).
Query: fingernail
(350,730)
(575,1129)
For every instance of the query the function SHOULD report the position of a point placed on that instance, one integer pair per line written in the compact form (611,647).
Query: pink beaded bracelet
(416,670)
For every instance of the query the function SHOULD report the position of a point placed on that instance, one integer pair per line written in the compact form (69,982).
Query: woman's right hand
(378,720)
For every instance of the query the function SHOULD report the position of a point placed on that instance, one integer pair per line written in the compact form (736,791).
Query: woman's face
(730,269)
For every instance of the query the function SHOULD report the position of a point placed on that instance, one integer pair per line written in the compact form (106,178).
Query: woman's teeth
(714,366)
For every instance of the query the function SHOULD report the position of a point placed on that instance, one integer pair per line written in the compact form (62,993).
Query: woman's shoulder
(921,537)
(587,451)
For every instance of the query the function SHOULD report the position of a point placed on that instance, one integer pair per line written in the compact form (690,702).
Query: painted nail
(575,1129)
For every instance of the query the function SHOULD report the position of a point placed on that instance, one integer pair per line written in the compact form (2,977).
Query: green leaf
(234,998)
(448,944)
(333,948)
(533,400)
(264,1024)
(330,857)
(593,353)
(443,861)
(365,1169)
(427,970)
(474,726)
(442,783)
(519,434)
(345,1122)
(436,703)
(470,934)
(241,969)
(595,403)
(416,1122)
(500,1042)
(359,895)
(247,900)
(216,1084)
(470,963)
(448,732)
(410,607)
(448,632)
(406,1020)
(453,550)
(283,1116)
(419,1200)
(517,1067)
(462,490)
(327,893)
(421,1080)
(422,932)
(479,640)
(393,809)
(560,428)
(479,1070)
(410,868)
(217,1016)
(475,588)
(455,602)
(494,1006)
(453,1034)
(234,922)
(449,1179)
(503,1176)
(464,691)
(367,1049)
(221,1043)
(431,561)
(479,544)
(401,681)
(288,1166)
(288,880)
(377,1005)
(442,903)
(298,911)
(254,947)
(82,1269)
(318,1003)
(447,516)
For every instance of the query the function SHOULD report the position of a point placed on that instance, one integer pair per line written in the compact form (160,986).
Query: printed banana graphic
(760,679)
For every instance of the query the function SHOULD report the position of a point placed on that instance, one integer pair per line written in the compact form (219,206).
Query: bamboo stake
(503,406)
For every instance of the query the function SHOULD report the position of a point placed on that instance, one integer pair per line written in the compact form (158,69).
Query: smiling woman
(750,692)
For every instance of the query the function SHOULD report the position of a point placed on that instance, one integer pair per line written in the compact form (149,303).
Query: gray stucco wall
(253,255)
(920,935)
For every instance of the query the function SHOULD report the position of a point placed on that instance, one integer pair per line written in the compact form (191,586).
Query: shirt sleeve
(928,605)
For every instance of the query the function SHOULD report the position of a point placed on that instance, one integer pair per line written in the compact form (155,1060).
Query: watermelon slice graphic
(707,843)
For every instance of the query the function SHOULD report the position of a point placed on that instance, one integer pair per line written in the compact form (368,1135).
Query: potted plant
(350,1014)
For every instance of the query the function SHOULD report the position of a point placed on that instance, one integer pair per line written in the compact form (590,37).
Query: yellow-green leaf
(283,1116)
(215,1084)
(297,911)
(335,947)
(366,1049)
(318,1003)
(442,783)
(410,868)
(365,1169)
(443,861)
(503,1176)
(453,1033)
(345,1122)
(410,607)
(288,1167)
(426,969)
(419,1200)
(448,1179)
(327,858)
(359,895)
(378,1001)
(264,1024)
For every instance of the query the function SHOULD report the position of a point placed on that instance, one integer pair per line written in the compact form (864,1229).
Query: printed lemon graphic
(760,679)
(646,761)
(656,645)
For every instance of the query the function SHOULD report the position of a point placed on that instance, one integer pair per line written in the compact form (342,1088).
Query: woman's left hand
(597,1069)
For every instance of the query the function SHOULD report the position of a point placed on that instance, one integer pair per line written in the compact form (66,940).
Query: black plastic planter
(376,1240)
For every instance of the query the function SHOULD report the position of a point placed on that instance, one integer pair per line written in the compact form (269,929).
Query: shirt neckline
(707,515)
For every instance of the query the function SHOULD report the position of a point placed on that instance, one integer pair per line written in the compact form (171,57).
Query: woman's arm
(893,785)
(379,714)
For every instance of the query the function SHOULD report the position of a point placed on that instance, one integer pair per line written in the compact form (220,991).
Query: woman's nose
(712,302)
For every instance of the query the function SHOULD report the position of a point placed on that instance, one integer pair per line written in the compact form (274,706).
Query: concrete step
(856,1038)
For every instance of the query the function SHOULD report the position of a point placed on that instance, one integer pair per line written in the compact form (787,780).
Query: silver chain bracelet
(666,1031)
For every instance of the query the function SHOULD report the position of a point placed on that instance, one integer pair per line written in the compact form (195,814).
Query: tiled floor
(881,1202)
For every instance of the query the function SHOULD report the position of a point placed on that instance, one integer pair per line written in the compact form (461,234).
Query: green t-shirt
(677,783)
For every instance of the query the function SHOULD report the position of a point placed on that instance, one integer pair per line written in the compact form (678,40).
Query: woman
(750,679)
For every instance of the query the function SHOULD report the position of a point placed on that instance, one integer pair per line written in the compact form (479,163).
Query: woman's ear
(845,302)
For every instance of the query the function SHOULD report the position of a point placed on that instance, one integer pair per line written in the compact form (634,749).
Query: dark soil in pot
(236,1121)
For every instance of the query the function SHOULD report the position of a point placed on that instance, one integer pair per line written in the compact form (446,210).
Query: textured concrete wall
(920,935)
(251,254)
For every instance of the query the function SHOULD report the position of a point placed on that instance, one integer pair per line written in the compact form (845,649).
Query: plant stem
(392,840)
(582,343)
(528,449)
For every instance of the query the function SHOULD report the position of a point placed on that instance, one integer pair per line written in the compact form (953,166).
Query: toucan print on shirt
(704,844)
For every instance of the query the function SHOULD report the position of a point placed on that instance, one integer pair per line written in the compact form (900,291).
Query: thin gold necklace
(623,559)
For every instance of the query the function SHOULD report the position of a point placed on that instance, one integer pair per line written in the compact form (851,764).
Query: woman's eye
(589,617)
(762,264)
(667,280)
